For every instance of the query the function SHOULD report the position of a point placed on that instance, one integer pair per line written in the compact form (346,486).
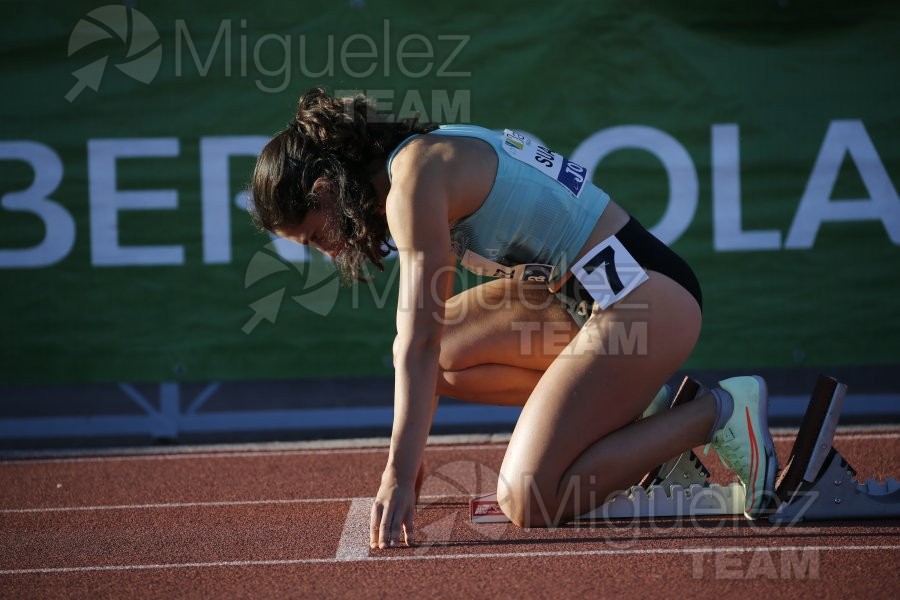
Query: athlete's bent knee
(525,504)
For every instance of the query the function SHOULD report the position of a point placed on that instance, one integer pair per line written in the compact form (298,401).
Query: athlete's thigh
(603,380)
(504,322)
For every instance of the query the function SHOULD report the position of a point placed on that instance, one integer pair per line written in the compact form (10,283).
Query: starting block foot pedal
(835,495)
(818,483)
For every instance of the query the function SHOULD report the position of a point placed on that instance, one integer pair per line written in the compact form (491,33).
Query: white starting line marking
(213,503)
(475,556)
(354,544)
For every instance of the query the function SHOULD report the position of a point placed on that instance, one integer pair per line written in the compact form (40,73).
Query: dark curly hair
(345,141)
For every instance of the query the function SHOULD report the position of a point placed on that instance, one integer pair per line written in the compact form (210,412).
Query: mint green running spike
(660,402)
(745,445)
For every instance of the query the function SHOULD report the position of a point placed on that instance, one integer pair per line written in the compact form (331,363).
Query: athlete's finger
(374,522)
(409,528)
(396,530)
(384,529)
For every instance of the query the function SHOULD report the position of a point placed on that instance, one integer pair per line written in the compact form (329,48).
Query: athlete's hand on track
(393,513)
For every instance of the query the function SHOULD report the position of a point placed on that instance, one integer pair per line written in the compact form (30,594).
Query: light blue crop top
(541,208)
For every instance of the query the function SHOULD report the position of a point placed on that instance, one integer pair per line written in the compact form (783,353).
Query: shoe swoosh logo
(754,457)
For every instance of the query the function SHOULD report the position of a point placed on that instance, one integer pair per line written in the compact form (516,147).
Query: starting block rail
(817,483)
(672,501)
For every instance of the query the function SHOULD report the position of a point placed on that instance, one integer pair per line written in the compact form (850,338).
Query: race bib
(480,265)
(608,272)
(551,164)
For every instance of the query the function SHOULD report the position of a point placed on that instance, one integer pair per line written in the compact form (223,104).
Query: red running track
(278,521)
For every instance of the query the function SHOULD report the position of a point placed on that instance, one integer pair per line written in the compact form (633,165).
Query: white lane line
(475,556)
(213,503)
(186,456)
(354,544)
(226,454)
(25,460)
(314,445)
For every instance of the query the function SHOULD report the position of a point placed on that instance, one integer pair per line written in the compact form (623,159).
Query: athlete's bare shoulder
(465,166)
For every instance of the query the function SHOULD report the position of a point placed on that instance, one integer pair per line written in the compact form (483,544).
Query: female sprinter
(613,315)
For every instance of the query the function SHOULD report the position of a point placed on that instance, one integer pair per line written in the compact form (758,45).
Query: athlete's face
(313,231)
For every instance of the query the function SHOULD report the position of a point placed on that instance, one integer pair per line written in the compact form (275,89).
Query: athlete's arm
(417,217)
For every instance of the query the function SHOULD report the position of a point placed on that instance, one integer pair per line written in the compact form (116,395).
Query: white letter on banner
(683,186)
(726,196)
(106,202)
(215,193)
(59,225)
(816,205)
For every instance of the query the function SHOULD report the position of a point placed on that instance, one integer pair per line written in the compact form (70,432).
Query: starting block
(816,485)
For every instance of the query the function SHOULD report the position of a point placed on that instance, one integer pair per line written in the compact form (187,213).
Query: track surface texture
(282,521)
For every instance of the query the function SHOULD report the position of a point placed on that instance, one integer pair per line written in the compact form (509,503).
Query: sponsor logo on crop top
(551,164)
